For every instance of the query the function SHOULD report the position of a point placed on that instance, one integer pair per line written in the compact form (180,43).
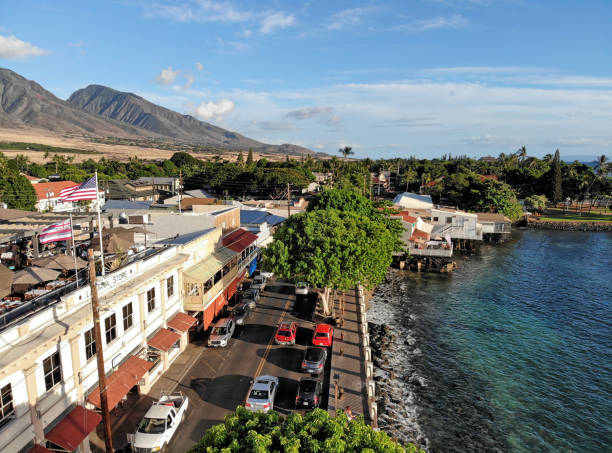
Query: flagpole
(99,225)
(76,271)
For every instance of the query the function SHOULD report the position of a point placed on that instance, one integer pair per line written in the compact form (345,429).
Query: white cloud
(13,48)
(216,110)
(348,18)
(309,112)
(199,66)
(166,76)
(482,70)
(276,20)
(202,11)
(453,22)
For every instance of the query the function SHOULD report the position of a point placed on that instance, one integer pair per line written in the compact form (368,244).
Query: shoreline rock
(567,226)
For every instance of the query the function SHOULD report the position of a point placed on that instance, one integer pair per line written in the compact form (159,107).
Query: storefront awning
(74,428)
(39,449)
(239,239)
(182,322)
(205,269)
(121,381)
(164,340)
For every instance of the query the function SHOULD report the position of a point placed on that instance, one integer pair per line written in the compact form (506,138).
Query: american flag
(57,232)
(86,191)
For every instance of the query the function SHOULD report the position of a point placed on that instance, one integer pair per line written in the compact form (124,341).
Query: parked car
(259,283)
(262,393)
(323,335)
(302,288)
(308,393)
(250,296)
(286,333)
(221,333)
(314,360)
(240,313)
(159,423)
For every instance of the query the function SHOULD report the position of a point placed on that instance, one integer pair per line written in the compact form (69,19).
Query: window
(170,285)
(6,404)
(90,344)
(53,370)
(110,327)
(128,318)
(449,220)
(435,219)
(151,300)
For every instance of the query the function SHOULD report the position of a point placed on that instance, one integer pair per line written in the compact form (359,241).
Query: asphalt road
(219,381)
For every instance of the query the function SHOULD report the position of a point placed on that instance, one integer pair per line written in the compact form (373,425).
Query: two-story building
(48,198)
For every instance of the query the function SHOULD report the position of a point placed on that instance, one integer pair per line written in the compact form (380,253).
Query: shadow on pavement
(285,397)
(257,333)
(287,357)
(223,391)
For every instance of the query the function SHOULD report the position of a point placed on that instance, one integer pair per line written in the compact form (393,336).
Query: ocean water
(511,352)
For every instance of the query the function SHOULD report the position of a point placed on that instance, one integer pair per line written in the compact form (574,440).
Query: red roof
(73,428)
(121,381)
(39,449)
(407,217)
(419,235)
(239,239)
(31,178)
(182,322)
(54,188)
(164,340)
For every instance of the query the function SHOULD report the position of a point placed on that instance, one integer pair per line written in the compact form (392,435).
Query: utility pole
(180,188)
(153,179)
(108,439)
(288,201)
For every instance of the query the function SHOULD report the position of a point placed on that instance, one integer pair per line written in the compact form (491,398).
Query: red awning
(39,449)
(182,322)
(164,340)
(239,239)
(121,381)
(74,428)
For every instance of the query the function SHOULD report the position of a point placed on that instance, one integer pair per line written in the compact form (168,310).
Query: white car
(259,283)
(301,288)
(262,393)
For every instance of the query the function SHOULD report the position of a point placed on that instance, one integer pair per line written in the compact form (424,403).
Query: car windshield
(284,333)
(313,354)
(152,426)
(302,285)
(321,335)
(307,386)
(258,394)
(219,331)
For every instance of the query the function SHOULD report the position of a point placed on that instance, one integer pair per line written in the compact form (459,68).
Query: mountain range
(105,112)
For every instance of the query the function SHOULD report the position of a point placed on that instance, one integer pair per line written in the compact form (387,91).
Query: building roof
(239,239)
(74,428)
(182,322)
(492,217)
(254,217)
(164,339)
(275,219)
(158,179)
(33,179)
(198,193)
(419,235)
(126,205)
(185,238)
(413,201)
(406,217)
(53,188)
(10,214)
(118,189)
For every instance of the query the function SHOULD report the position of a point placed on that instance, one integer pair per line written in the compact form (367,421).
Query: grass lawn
(558,215)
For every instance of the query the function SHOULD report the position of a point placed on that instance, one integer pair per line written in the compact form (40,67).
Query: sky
(389,78)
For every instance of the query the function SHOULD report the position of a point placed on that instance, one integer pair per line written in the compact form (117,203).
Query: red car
(323,335)
(286,333)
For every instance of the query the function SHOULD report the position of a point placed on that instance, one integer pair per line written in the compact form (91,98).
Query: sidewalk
(125,419)
(348,362)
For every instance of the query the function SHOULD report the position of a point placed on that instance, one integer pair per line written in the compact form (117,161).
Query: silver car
(250,296)
(259,283)
(221,333)
(240,313)
(262,393)
(314,360)
(301,288)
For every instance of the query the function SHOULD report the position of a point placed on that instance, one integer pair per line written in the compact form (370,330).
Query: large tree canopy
(315,432)
(15,190)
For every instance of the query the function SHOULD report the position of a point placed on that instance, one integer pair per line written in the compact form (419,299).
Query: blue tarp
(252,266)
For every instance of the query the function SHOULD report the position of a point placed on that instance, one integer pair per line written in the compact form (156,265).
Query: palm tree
(522,154)
(346,151)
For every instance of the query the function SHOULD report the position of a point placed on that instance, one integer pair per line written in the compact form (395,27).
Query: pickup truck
(159,424)
(259,283)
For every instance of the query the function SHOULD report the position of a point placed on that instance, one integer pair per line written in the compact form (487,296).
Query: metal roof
(185,238)
(211,265)
(253,216)
(126,205)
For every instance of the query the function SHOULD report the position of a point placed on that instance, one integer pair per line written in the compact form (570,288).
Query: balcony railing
(441,250)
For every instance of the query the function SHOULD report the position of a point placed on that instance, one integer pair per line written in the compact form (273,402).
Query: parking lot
(217,380)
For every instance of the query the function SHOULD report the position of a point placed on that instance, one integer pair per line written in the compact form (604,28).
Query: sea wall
(568,226)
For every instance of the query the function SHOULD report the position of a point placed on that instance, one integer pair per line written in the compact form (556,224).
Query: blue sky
(389,78)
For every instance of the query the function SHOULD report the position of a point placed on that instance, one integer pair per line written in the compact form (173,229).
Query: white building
(48,197)
(456,224)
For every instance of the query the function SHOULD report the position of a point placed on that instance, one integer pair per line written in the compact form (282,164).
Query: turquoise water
(513,351)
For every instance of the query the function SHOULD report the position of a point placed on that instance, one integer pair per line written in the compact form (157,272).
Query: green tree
(249,161)
(16,191)
(314,432)
(557,189)
(536,202)
(240,159)
(496,196)
(332,249)
(170,169)
(346,152)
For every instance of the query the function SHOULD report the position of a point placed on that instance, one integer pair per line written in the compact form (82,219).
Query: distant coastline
(565,226)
